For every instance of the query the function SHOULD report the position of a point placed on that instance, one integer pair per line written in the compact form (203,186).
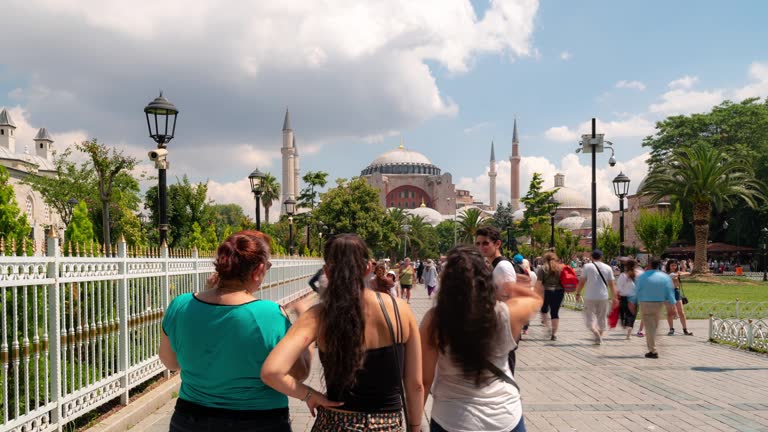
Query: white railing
(79,331)
(756,276)
(745,334)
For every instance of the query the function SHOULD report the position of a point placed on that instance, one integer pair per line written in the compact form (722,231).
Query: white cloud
(636,85)
(683,101)
(685,82)
(561,133)
(25,133)
(565,56)
(634,126)
(758,72)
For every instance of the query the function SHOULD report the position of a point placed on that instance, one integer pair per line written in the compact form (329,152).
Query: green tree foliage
(229,218)
(445,230)
(122,218)
(270,192)
(354,207)
(708,179)
(423,242)
(80,229)
(313,180)
(608,242)
(107,165)
(502,219)
(658,229)
(468,223)
(187,203)
(538,205)
(567,244)
(13,223)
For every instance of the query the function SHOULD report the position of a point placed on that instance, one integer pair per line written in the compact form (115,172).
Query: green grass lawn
(725,289)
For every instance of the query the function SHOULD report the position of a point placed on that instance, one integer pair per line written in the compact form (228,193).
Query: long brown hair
(630,268)
(551,263)
(342,324)
(465,316)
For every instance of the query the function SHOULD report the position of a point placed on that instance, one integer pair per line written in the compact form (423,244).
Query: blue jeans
(434,427)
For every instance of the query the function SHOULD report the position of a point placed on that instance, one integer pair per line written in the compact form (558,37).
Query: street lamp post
(290,209)
(552,212)
(621,189)
(161,116)
(406,228)
(764,231)
(257,183)
(595,143)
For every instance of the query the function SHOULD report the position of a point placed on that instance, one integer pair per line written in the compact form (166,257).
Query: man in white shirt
(488,242)
(597,277)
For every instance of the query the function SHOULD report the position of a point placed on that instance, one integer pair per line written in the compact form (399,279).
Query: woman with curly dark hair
(465,339)
(364,368)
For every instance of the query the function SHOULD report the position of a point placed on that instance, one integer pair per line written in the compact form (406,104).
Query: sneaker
(598,340)
(553,338)
(640,334)
(671,332)
(652,355)
(687,333)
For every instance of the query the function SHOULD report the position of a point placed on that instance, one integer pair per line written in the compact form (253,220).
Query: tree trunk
(105,227)
(701,217)
(266,211)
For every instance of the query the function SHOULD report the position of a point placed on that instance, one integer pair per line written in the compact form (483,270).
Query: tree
(68,181)
(229,218)
(313,180)
(538,205)
(566,244)
(187,203)
(107,166)
(446,232)
(708,179)
(503,219)
(13,223)
(270,192)
(658,229)
(608,242)
(469,221)
(353,207)
(422,238)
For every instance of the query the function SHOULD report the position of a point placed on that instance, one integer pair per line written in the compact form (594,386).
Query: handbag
(683,298)
(394,350)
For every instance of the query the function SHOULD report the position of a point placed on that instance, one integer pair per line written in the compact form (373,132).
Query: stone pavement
(572,385)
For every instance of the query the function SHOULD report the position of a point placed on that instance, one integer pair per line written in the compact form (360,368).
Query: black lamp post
(290,208)
(594,143)
(552,212)
(621,189)
(764,231)
(161,122)
(257,181)
(71,204)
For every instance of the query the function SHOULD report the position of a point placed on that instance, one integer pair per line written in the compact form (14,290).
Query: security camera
(612,161)
(157,154)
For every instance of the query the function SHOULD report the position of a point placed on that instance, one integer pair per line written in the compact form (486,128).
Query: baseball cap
(518,259)
(597,254)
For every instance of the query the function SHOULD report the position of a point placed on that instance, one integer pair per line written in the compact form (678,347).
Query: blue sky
(357,79)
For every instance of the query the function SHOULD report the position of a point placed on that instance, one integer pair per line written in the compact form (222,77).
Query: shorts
(678,297)
(403,286)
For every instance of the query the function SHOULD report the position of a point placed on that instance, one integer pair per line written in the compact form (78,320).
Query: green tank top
(221,350)
(406,276)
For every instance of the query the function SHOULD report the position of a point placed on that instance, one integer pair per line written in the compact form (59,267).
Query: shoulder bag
(683,298)
(600,273)
(394,350)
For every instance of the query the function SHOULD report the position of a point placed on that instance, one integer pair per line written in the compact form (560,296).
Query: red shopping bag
(613,317)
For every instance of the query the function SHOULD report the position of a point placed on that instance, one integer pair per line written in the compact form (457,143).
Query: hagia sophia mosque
(408,180)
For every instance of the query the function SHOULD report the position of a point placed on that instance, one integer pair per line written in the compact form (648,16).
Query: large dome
(569,198)
(401,161)
(430,215)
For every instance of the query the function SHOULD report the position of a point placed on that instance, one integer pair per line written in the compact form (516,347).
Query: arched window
(29,206)
(2,131)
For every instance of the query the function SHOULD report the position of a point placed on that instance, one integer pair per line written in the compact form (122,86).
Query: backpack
(518,268)
(568,279)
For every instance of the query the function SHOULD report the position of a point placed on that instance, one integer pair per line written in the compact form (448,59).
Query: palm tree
(469,221)
(270,192)
(708,179)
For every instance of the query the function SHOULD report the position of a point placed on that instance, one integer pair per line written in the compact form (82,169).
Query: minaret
(7,131)
(492,177)
(286,189)
(514,181)
(44,144)
(296,171)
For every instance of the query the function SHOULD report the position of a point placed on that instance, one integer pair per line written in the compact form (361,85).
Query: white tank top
(494,406)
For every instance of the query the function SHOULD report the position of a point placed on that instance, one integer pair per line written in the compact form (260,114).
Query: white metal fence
(745,333)
(79,331)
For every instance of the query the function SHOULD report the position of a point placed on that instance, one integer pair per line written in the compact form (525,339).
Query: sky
(447,77)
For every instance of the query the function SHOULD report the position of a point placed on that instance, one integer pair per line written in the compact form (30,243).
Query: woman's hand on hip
(319,400)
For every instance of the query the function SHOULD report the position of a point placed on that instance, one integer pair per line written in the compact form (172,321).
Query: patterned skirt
(337,421)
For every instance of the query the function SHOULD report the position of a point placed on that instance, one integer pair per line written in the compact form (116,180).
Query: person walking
(219,339)
(548,275)
(465,340)
(368,344)
(597,277)
(674,272)
(420,271)
(654,288)
(380,282)
(625,286)
(430,277)
(406,279)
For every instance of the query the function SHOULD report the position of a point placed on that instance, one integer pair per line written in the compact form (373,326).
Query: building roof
(569,198)
(400,155)
(430,215)
(572,223)
(518,215)
(43,134)
(514,132)
(5,118)
(287,121)
(493,155)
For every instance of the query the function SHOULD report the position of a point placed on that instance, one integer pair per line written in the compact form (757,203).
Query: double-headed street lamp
(161,122)
(594,143)
(289,206)
(257,184)
(621,189)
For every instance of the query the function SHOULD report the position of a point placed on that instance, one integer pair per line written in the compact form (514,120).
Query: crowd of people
(241,358)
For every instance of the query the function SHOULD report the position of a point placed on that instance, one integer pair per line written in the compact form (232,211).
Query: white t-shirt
(503,272)
(494,406)
(626,286)
(595,289)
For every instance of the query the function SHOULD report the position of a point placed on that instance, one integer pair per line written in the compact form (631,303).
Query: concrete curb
(136,411)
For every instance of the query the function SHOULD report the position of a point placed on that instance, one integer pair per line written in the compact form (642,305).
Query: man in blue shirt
(654,288)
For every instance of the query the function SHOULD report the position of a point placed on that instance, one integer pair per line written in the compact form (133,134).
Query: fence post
(196,257)
(123,338)
(165,288)
(750,335)
(738,316)
(53,341)
(711,328)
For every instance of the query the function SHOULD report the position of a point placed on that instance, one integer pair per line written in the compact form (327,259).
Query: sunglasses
(269,265)
(483,243)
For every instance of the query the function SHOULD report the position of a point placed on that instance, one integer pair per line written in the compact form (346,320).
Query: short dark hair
(491,232)
(656,264)
(597,254)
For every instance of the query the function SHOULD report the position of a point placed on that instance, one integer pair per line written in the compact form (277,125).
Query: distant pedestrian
(380,282)
(406,275)
(549,281)
(597,277)
(625,286)
(430,277)
(420,271)
(654,288)
(675,273)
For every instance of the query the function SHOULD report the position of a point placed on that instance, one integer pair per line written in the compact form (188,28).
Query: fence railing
(743,333)
(756,276)
(79,331)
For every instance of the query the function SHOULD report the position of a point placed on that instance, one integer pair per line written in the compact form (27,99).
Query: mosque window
(2,131)
(391,203)
(29,206)
(41,145)
(47,213)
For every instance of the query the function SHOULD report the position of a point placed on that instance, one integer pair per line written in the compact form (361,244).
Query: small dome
(571,223)
(569,198)
(430,215)
(574,213)
(518,215)
(603,209)
(604,219)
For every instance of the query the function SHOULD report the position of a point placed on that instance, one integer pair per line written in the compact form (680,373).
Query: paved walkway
(572,385)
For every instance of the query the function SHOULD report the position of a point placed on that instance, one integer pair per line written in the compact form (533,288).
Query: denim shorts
(678,297)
